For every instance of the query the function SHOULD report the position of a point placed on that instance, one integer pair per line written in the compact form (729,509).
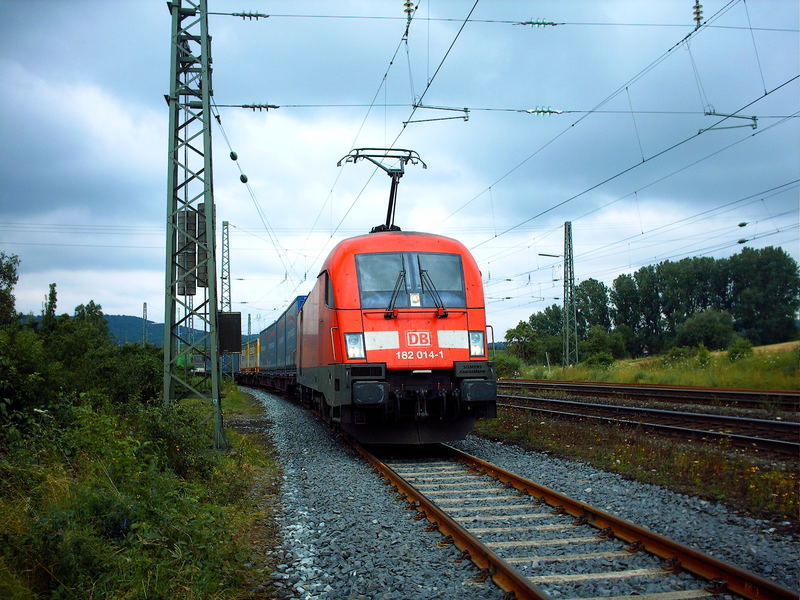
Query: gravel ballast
(345,533)
(709,527)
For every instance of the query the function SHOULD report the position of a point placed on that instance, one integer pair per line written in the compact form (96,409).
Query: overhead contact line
(415,107)
(602,103)
(646,160)
(535,23)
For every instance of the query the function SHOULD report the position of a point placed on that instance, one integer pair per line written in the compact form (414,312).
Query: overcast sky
(83,140)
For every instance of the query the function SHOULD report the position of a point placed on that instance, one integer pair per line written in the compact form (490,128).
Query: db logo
(418,338)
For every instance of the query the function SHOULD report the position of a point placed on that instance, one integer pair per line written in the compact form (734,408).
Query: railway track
(782,400)
(764,434)
(536,543)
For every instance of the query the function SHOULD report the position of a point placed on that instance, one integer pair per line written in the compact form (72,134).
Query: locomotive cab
(400,349)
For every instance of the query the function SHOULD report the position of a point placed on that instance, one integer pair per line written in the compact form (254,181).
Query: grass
(129,502)
(761,486)
(238,404)
(777,369)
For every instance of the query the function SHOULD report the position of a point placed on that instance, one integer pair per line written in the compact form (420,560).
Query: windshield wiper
(437,299)
(391,311)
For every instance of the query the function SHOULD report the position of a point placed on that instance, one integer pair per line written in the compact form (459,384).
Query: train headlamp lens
(476,340)
(355,345)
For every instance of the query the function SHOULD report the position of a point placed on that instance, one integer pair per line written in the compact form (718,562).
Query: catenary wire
(648,159)
(657,180)
(600,104)
(755,197)
(251,192)
(416,105)
(504,21)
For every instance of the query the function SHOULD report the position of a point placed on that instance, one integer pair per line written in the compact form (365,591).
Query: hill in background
(128,330)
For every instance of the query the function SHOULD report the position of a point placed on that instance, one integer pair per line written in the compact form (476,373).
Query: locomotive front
(393,341)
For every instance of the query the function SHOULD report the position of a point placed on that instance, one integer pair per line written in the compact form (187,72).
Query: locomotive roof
(395,241)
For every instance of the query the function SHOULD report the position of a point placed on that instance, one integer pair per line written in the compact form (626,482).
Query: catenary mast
(190,238)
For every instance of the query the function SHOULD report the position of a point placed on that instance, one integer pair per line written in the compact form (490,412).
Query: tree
(520,340)
(599,340)
(625,334)
(690,286)
(82,344)
(625,302)
(29,378)
(49,310)
(712,328)
(591,297)
(651,334)
(765,288)
(677,298)
(538,339)
(8,279)
(547,322)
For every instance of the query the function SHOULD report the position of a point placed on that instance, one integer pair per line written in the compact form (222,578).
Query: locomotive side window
(427,276)
(328,291)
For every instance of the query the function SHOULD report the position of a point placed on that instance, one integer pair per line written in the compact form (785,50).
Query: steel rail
(723,577)
(784,399)
(790,429)
(503,574)
(782,446)
(789,444)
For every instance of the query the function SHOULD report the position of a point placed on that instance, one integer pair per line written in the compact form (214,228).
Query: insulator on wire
(243,178)
(541,110)
(259,107)
(698,14)
(409,9)
(538,23)
(234,156)
(250,15)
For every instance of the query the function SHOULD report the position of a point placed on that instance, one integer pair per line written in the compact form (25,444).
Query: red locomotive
(392,339)
(391,342)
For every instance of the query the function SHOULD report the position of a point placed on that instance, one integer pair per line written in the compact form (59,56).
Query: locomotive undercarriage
(380,406)
(376,405)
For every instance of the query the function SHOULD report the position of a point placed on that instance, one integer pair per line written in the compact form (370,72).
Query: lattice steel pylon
(225,270)
(225,289)
(190,241)
(570,313)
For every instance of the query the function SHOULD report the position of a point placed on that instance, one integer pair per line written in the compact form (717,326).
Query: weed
(711,470)
(770,369)
(127,503)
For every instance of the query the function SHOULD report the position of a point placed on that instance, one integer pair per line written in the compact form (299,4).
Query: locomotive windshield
(430,278)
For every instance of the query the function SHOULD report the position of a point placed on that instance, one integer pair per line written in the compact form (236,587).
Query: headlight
(476,339)
(355,345)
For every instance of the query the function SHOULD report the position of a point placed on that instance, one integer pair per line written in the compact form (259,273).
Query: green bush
(29,380)
(679,354)
(602,360)
(507,365)
(703,356)
(740,348)
(712,328)
(91,510)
